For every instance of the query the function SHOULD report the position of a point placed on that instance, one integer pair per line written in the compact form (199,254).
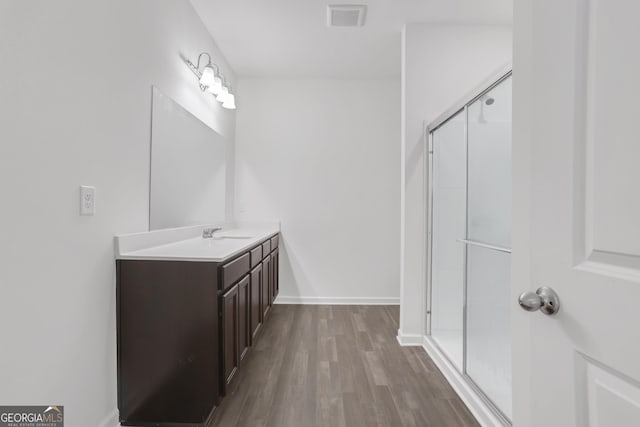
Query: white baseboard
(474,402)
(111,420)
(337,300)
(409,340)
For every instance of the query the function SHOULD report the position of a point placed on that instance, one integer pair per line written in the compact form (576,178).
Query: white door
(576,206)
(577,212)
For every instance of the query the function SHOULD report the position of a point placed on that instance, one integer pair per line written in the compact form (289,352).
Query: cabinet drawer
(266,248)
(256,256)
(275,240)
(234,270)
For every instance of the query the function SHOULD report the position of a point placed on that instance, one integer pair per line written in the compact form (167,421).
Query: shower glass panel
(488,349)
(470,241)
(488,327)
(489,145)
(488,346)
(449,216)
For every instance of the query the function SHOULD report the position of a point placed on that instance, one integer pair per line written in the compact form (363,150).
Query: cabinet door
(275,271)
(229,313)
(266,285)
(244,314)
(256,311)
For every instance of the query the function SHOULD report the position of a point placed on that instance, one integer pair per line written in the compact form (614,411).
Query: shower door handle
(544,299)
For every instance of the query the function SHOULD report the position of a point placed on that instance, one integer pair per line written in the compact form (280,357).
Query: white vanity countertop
(187,244)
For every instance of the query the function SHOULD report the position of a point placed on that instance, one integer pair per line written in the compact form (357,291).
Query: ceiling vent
(346,15)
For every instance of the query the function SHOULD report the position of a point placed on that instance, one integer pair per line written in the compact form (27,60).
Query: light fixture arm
(210,63)
(218,78)
(195,68)
(200,57)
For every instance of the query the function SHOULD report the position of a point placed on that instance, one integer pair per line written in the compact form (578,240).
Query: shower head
(484,100)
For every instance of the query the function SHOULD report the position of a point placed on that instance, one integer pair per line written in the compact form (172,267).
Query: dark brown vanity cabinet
(184,328)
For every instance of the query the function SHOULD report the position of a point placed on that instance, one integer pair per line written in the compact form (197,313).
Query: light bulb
(223,95)
(230,102)
(216,87)
(208,76)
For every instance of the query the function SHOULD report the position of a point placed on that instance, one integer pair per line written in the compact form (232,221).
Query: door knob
(544,299)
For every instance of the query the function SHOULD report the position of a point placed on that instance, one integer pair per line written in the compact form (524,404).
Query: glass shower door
(449,180)
(470,242)
(488,336)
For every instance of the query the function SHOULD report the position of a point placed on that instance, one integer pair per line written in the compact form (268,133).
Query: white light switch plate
(87,200)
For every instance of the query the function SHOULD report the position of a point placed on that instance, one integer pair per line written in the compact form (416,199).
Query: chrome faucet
(207,233)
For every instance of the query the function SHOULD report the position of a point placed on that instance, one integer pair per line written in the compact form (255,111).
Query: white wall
(321,156)
(75,108)
(440,64)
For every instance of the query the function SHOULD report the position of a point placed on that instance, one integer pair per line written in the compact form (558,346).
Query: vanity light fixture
(212,81)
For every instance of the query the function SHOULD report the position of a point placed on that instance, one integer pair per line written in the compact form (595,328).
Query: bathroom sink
(232,237)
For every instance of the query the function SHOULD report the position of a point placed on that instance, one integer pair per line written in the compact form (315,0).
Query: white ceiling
(290,38)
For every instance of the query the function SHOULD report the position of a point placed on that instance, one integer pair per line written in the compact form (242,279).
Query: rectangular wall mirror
(188,168)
